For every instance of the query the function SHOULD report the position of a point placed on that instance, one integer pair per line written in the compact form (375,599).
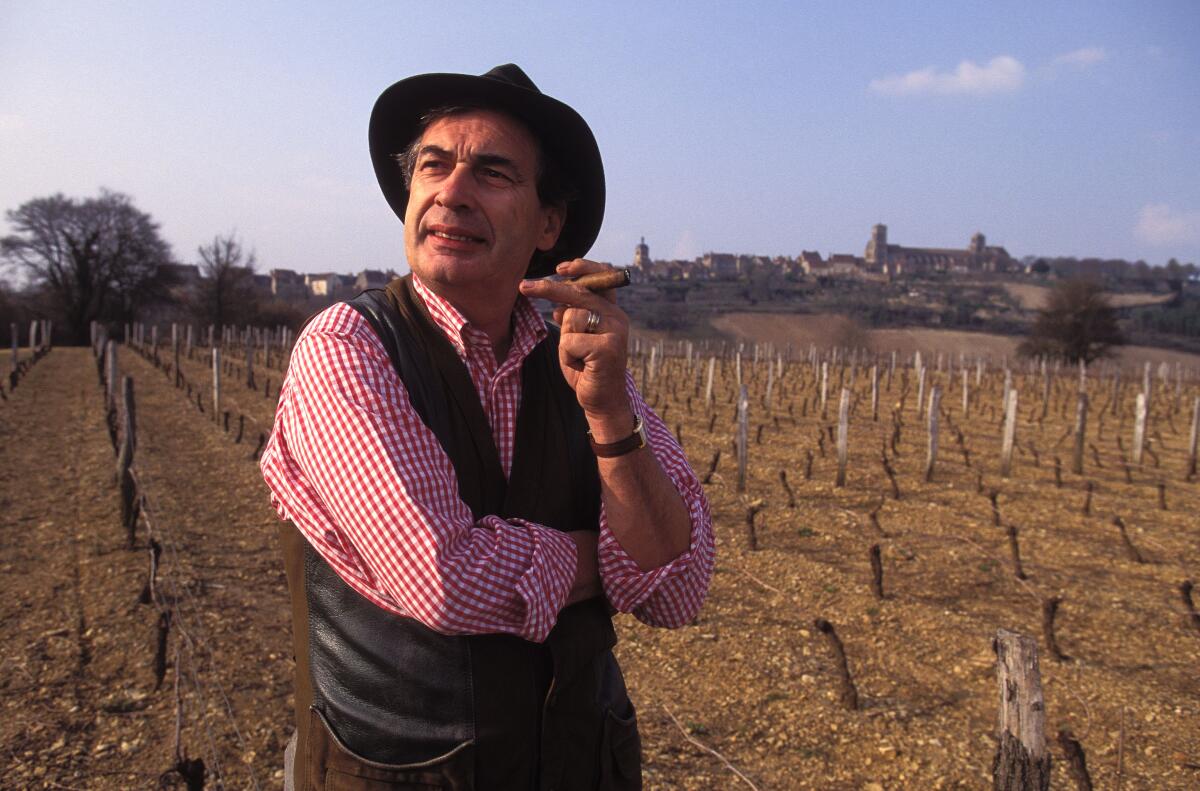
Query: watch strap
(608,450)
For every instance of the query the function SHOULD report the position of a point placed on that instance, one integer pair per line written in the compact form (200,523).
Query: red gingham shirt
(352,465)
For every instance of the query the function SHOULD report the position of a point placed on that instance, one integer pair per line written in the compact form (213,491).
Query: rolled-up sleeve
(670,595)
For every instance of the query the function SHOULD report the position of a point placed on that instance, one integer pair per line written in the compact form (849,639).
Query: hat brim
(562,133)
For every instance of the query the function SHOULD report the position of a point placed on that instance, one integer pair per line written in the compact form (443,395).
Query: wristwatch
(631,443)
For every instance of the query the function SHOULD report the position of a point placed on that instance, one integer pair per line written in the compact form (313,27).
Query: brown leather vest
(382,702)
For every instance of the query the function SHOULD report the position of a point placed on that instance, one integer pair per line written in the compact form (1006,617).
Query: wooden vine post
(175,355)
(708,385)
(1139,424)
(249,361)
(824,388)
(1192,439)
(125,458)
(110,376)
(843,436)
(12,329)
(1022,762)
(216,373)
(931,449)
(875,393)
(920,388)
(743,431)
(1081,411)
(1010,430)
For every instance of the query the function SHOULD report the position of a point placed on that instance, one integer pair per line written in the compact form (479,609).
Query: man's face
(474,218)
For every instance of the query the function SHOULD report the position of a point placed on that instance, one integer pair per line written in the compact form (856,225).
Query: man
(470,493)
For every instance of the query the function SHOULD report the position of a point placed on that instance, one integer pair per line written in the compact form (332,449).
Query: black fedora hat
(564,136)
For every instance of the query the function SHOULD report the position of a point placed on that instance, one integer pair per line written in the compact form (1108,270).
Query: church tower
(978,242)
(877,249)
(641,255)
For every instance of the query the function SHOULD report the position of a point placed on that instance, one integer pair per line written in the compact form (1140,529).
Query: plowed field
(751,679)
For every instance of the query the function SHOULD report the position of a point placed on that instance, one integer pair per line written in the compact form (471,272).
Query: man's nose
(457,190)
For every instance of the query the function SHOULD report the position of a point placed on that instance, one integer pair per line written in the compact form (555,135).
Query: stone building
(893,259)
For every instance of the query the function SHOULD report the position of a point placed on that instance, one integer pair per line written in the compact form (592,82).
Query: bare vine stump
(873,515)
(1087,499)
(149,592)
(1057,472)
(1049,611)
(1185,591)
(751,530)
(783,481)
(847,692)
(712,467)
(1015,548)
(1022,762)
(160,648)
(1130,550)
(876,571)
(1162,495)
(994,498)
(891,474)
(808,463)
(1076,761)
(262,441)
(241,429)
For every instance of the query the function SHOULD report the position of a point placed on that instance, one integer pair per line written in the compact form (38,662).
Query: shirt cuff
(628,587)
(544,588)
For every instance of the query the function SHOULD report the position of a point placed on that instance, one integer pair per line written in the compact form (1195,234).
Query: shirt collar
(528,327)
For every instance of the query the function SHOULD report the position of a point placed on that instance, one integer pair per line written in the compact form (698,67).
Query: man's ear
(555,217)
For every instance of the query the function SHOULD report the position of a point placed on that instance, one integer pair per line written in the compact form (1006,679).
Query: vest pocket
(620,753)
(340,769)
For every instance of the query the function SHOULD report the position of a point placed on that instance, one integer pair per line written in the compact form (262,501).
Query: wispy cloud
(11,123)
(1159,224)
(1081,58)
(1002,74)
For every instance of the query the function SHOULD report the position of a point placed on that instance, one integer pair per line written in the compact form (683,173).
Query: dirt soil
(751,679)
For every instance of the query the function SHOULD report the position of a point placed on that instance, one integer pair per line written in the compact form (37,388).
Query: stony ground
(751,686)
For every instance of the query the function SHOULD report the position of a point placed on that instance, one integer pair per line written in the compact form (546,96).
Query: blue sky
(1054,128)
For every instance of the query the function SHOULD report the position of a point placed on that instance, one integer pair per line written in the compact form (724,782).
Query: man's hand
(593,363)
(645,512)
(586,584)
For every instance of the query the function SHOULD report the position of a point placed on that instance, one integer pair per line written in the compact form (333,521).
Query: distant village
(884,261)
(881,261)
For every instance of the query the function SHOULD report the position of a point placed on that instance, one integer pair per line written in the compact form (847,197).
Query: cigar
(602,281)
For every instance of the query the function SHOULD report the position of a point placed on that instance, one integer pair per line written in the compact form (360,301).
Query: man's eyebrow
(485,159)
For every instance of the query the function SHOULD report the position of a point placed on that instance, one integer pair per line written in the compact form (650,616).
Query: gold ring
(593,322)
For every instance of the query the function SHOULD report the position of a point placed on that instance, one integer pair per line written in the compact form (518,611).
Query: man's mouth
(454,237)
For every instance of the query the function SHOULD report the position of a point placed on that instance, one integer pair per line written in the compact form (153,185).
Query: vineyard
(879,519)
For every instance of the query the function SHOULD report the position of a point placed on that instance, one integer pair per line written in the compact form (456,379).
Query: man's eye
(495,175)
(429,164)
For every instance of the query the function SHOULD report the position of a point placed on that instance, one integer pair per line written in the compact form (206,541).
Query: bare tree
(1076,323)
(97,258)
(226,291)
